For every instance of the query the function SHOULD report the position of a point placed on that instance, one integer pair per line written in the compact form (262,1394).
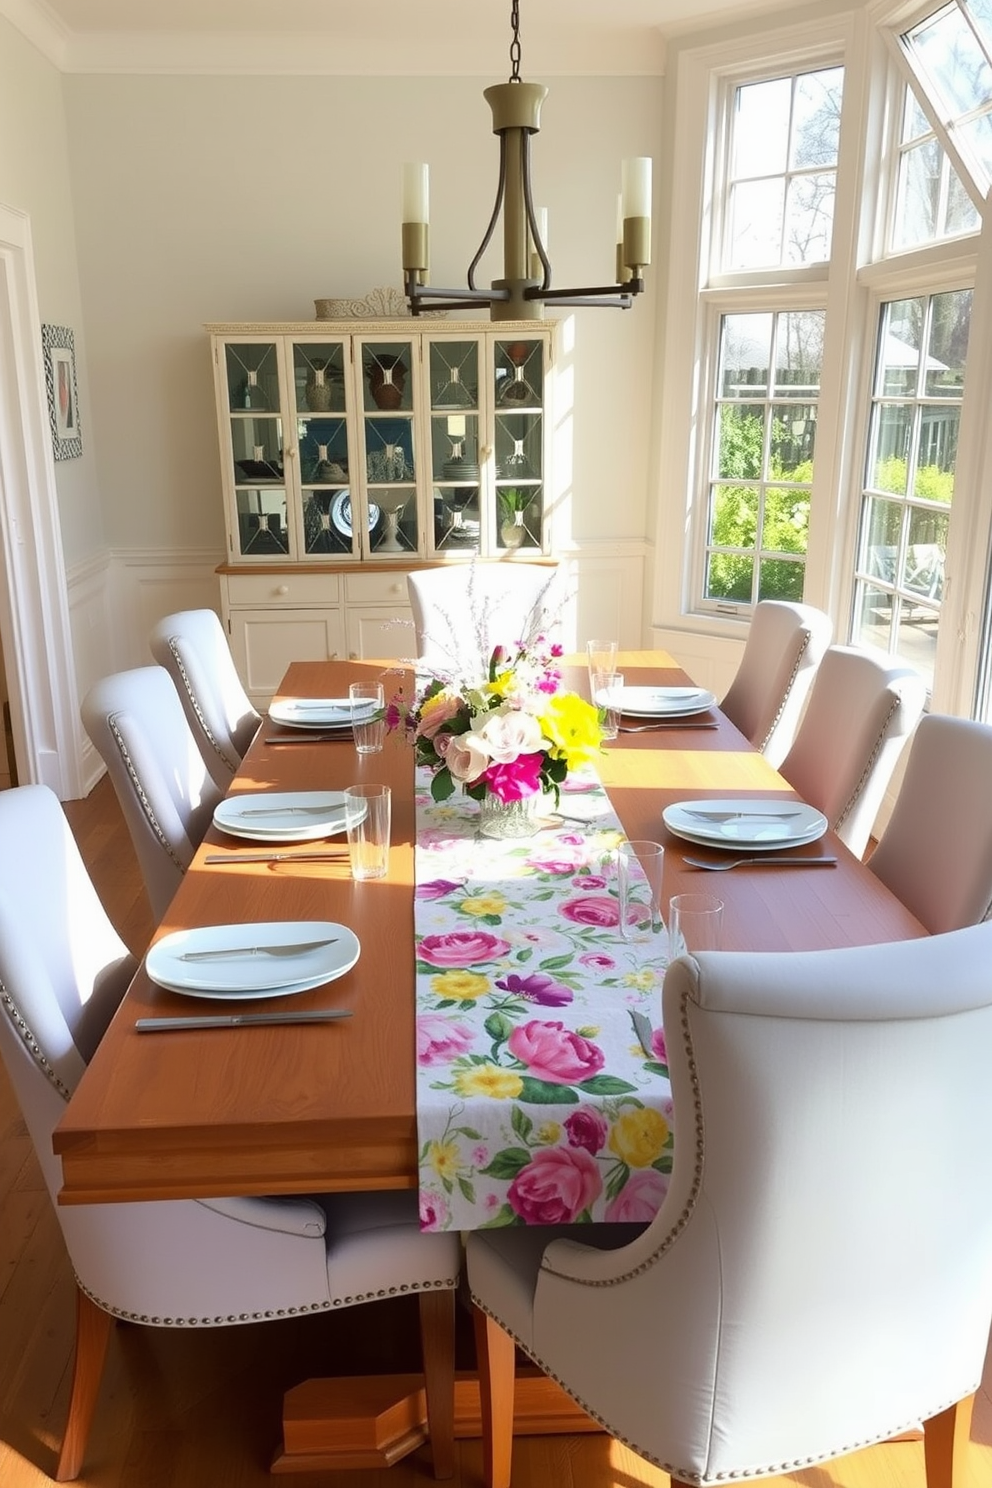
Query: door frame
(34,604)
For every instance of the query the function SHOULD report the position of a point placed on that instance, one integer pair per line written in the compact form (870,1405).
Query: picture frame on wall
(63,397)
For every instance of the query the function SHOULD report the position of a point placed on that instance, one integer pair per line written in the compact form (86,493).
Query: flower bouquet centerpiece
(508,738)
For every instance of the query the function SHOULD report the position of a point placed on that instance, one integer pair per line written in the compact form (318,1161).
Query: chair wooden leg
(437,1342)
(945,1438)
(92,1335)
(496,1359)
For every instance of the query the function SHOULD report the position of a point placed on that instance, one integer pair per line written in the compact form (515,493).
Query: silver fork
(654,728)
(767,860)
(725,816)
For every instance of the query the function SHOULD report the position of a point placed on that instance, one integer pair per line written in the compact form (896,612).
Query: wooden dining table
(303,1108)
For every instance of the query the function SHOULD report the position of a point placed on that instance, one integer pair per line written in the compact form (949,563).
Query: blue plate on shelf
(341,513)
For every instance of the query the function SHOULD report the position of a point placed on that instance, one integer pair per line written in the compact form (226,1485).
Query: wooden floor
(201,1409)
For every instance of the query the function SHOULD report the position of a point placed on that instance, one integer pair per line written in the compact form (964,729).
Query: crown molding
(42,27)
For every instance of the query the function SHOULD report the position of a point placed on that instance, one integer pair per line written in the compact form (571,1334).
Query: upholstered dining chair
(462,611)
(167,795)
(935,853)
(859,717)
(193,648)
(794,1298)
(179,1263)
(784,647)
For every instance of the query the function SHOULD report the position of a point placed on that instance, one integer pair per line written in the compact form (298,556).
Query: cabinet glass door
(454,421)
(320,395)
(518,371)
(255,414)
(389,447)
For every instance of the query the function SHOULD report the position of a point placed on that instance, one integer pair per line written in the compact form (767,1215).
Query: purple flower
(537,987)
(587,1129)
(437,888)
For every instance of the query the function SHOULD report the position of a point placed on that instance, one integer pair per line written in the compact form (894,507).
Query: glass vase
(504,819)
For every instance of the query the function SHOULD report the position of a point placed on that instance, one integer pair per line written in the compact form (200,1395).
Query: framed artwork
(63,399)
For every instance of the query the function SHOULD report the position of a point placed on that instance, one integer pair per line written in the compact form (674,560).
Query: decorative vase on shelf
(507,819)
(512,533)
(387,379)
(318,388)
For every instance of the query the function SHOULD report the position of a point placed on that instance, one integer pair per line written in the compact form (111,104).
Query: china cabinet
(352,451)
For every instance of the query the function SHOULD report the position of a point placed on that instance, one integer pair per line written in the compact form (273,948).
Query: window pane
(741,443)
(809,219)
(816,118)
(781,580)
(792,440)
(729,577)
(745,354)
(756,212)
(981,14)
(761,128)
(735,517)
(873,618)
(893,429)
(899,352)
(950,319)
(962,214)
(934,477)
(976,139)
(954,61)
(786,525)
(918,196)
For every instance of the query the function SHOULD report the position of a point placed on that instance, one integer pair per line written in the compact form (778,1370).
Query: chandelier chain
(515,43)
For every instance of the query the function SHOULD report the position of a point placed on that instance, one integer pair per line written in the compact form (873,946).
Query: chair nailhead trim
(858,789)
(146,805)
(232,765)
(303,1310)
(31,1043)
(806,637)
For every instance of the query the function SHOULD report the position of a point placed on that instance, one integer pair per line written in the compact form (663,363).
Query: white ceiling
(376,37)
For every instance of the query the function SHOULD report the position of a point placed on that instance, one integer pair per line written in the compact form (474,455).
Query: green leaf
(442,785)
(663,1164)
(468,1192)
(468,1131)
(654,1068)
(606,1085)
(500,1221)
(507,1163)
(521,1123)
(556,963)
(543,1093)
(617,1180)
(498,1027)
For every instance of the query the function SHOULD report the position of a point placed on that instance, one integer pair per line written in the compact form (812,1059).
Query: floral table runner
(537,1103)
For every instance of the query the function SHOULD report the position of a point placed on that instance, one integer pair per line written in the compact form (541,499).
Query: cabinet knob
(282,589)
(396,588)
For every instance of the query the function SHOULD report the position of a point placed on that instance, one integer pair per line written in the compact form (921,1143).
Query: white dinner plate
(319,713)
(658,702)
(282,816)
(240,975)
(751,823)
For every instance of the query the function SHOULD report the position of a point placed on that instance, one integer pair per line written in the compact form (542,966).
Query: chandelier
(525,287)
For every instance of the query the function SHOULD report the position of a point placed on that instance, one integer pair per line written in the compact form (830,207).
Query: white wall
(203,199)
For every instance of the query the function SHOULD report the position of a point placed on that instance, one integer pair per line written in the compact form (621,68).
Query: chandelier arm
(500,188)
(625,291)
(539,247)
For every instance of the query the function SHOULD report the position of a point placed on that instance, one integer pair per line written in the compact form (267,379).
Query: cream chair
(182,1263)
(860,715)
(785,645)
(819,1276)
(166,793)
(462,611)
(935,854)
(193,648)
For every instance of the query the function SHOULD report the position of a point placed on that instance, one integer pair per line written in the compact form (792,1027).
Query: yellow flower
(502,685)
(443,1158)
(492,903)
(639,1137)
(571,725)
(549,1133)
(486,1079)
(463,986)
(643,980)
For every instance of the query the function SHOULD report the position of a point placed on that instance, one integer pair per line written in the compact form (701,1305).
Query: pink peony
(438,888)
(552,1052)
(594,909)
(640,1198)
(512,781)
(439,1039)
(587,1129)
(556,1186)
(461,948)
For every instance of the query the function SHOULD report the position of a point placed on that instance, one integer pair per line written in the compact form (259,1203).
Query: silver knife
(264,950)
(311,737)
(327,855)
(238,1020)
(286,811)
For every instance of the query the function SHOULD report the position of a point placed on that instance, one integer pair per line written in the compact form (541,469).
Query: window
(759,499)
(951,52)
(909,481)
(931,202)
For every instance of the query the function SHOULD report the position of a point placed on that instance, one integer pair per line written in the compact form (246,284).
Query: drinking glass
(607,699)
(695,923)
(640,866)
(368,719)
(602,657)
(368,811)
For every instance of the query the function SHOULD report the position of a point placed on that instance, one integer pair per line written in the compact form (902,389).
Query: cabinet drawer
(284,589)
(376,588)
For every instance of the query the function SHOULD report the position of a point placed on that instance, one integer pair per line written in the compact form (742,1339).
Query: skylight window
(951,52)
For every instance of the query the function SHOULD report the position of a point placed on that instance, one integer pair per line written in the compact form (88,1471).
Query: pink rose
(441,711)
(440,1040)
(556,1186)
(552,1052)
(597,961)
(434,1210)
(461,948)
(658,1047)
(516,779)
(465,757)
(640,1198)
(587,881)
(595,909)
(587,1129)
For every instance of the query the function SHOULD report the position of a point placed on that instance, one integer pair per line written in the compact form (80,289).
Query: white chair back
(461,612)
(860,715)
(935,854)
(193,648)
(166,793)
(785,645)
(819,1276)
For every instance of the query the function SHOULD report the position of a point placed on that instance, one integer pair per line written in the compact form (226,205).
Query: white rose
(466,757)
(509,735)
